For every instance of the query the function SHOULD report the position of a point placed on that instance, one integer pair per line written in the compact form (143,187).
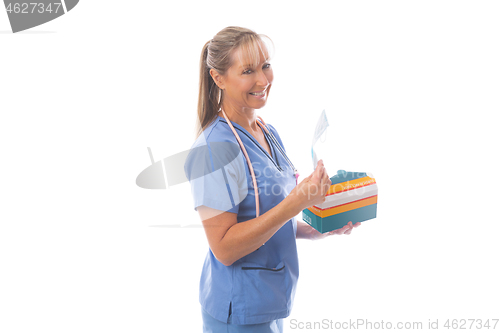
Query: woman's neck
(246,118)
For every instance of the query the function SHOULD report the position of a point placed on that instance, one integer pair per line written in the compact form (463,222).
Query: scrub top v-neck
(260,286)
(257,143)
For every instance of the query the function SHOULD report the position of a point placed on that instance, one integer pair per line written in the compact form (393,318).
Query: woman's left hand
(314,234)
(345,230)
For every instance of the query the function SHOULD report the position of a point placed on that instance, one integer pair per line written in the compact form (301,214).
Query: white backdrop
(411,92)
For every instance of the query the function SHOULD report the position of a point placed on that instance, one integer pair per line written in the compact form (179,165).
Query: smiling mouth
(258,93)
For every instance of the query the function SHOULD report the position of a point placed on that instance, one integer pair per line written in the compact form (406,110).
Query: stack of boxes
(351,197)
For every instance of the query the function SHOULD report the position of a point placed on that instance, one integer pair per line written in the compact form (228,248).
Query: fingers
(348,228)
(339,231)
(321,175)
(317,185)
(326,181)
(318,172)
(334,232)
(345,230)
(357,224)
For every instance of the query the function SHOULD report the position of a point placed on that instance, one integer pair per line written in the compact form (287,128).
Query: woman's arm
(230,241)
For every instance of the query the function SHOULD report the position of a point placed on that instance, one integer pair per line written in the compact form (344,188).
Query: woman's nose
(262,79)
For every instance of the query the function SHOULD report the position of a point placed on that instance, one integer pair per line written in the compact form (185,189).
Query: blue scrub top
(259,287)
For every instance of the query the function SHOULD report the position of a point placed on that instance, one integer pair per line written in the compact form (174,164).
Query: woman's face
(246,86)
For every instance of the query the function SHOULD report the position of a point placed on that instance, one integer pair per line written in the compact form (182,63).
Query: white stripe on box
(349,196)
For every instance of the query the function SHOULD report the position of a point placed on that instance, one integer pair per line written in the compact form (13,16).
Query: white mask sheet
(321,126)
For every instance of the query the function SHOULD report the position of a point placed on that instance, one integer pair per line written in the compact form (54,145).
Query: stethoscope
(271,135)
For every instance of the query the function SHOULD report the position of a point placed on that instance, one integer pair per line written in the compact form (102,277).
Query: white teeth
(257,94)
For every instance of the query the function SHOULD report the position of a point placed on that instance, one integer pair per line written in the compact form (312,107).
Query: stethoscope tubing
(296,174)
(282,151)
(252,173)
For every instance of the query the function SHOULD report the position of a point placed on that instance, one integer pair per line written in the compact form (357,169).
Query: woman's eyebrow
(250,65)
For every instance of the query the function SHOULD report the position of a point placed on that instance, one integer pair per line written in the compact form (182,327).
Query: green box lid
(345,176)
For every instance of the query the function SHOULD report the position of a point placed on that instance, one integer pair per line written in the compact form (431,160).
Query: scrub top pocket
(263,289)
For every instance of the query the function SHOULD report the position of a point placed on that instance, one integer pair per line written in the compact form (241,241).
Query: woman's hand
(312,189)
(345,230)
(304,230)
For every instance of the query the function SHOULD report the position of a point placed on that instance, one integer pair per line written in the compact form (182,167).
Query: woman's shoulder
(273,129)
(217,131)
(216,146)
(274,132)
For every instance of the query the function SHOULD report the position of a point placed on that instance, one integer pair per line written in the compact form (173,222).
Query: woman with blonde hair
(245,190)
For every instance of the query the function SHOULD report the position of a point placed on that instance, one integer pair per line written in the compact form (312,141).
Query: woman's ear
(218,79)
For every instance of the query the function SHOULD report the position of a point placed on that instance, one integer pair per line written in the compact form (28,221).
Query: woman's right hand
(312,190)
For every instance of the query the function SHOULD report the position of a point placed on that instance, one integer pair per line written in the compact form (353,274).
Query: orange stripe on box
(315,210)
(344,207)
(350,185)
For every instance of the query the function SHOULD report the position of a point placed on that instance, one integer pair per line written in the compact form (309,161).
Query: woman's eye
(249,71)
